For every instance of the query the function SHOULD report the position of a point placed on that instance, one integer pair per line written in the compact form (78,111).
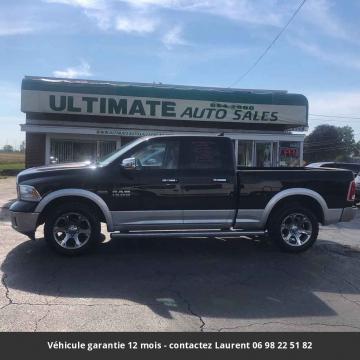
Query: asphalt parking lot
(179,284)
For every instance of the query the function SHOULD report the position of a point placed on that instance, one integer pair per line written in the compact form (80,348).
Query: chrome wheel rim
(72,230)
(296,229)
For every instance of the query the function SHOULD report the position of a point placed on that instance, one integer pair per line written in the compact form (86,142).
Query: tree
(8,148)
(348,143)
(356,151)
(329,143)
(22,146)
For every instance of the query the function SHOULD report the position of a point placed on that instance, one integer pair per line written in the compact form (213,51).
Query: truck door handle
(169,180)
(220,180)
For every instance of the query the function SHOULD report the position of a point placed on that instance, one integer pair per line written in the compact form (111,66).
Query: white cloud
(316,13)
(86,4)
(337,58)
(7,30)
(12,28)
(102,17)
(335,103)
(174,37)
(137,25)
(261,12)
(97,10)
(245,11)
(10,94)
(83,70)
(343,103)
(11,116)
(319,14)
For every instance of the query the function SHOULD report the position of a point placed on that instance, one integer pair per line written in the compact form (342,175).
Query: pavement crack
(47,304)
(339,290)
(38,321)
(7,291)
(189,308)
(287,323)
(170,288)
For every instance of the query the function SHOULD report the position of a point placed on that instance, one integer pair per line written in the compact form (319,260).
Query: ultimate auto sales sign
(161,108)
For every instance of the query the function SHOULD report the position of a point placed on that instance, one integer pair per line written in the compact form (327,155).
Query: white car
(357,185)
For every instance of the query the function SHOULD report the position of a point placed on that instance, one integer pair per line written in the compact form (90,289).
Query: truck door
(207,182)
(150,197)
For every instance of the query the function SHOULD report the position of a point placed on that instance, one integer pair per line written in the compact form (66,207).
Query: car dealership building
(76,120)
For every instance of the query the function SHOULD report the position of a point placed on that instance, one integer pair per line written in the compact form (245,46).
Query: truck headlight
(28,193)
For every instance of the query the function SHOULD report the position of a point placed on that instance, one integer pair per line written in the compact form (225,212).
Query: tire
(293,228)
(77,225)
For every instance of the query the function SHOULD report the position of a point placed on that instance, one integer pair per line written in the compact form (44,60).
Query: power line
(324,146)
(327,149)
(325,121)
(270,45)
(337,116)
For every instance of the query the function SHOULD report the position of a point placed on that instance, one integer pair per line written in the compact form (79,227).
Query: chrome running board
(183,234)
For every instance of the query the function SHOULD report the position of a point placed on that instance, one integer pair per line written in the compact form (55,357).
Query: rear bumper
(24,222)
(348,213)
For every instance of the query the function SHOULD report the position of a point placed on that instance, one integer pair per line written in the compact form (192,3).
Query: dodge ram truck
(179,185)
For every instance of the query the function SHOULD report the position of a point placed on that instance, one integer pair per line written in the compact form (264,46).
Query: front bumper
(24,222)
(348,213)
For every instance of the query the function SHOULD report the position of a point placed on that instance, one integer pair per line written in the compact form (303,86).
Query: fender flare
(293,192)
(79,193)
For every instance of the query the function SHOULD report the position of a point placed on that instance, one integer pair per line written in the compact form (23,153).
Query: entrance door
(264,153)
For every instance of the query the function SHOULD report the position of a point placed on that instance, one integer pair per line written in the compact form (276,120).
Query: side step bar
(184,234)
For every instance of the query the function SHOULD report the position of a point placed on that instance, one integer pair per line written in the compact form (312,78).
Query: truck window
(157,154)
(206,154)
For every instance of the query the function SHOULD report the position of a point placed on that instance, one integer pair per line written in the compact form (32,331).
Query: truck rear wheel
(72,229)
(294,228)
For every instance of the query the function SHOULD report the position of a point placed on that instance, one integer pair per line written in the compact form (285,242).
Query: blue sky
(205,42)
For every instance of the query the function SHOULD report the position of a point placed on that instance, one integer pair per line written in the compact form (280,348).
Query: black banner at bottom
(161,345)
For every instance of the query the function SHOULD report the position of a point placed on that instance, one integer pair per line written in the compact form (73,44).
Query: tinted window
(157,154)
(199,153)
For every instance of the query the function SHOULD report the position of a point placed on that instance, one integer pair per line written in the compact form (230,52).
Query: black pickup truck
(179,186)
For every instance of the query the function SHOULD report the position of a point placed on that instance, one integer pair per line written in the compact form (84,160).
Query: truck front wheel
(294,228)
(72,228)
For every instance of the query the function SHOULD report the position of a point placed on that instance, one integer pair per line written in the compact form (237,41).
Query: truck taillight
(351,191)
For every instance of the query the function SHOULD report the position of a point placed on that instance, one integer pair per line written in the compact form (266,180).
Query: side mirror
(131,164)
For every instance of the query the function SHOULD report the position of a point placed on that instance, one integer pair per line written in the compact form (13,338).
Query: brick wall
(35,149)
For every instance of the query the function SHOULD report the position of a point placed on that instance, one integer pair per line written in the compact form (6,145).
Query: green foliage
(330,143)
(8,148)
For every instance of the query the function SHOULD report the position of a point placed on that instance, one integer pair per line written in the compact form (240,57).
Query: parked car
(354,167)
(179,186)
(357,187)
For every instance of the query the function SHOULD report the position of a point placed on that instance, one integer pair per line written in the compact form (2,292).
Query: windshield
(106,160)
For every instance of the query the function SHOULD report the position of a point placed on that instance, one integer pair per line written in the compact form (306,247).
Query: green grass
(12,166)
(11,163)
(11,157)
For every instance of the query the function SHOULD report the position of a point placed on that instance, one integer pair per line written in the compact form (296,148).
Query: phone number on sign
(282,345)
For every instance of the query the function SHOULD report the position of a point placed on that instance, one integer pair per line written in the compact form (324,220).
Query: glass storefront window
(275,154)
(245,153)
(105,148)
(289,153)
(263,154)
(64,150)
